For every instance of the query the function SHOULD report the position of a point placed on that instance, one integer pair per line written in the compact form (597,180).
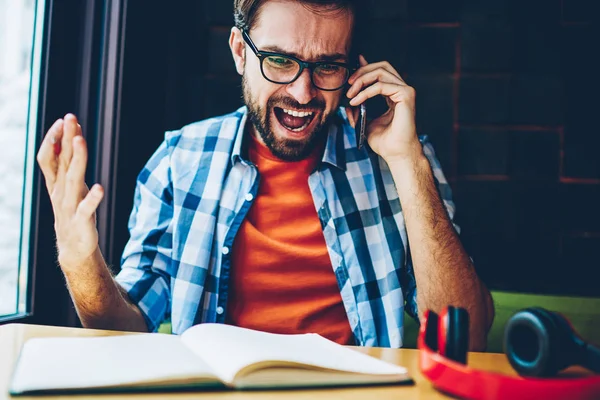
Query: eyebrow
(322,57)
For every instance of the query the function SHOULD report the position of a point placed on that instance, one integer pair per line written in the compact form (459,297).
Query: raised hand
(392,135)
(63,158)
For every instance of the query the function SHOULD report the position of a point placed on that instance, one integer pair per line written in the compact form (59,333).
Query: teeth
(297,113)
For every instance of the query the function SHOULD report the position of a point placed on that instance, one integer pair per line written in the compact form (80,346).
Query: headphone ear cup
(431,330)
(533,343)
(457,344)
(456,330)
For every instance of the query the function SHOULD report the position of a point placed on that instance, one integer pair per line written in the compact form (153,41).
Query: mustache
(287,102)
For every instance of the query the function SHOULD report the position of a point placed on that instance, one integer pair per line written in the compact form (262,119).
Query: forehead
(303,30)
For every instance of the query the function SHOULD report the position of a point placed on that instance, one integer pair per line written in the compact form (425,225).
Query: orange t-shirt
(281,277)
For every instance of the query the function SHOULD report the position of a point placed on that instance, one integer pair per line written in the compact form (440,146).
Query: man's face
(289,118)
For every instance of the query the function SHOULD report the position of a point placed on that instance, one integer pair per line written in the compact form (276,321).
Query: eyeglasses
(284,69)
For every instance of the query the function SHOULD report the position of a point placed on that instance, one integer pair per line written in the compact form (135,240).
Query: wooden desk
(13,336)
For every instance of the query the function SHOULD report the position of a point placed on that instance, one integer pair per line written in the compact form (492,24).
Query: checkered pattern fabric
(195,191)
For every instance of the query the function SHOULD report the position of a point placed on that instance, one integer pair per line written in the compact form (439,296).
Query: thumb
(87,207)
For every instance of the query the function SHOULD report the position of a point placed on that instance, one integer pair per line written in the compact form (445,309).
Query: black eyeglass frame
(303,64)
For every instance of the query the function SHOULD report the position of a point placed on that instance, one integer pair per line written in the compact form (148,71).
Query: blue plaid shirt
(196,189)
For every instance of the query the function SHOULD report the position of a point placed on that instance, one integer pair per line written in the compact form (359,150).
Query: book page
(98,362)
(229,350)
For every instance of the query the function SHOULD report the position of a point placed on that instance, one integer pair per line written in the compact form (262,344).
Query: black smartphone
(361,123)
(361,126)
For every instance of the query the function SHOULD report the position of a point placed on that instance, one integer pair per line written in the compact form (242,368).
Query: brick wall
(508,92)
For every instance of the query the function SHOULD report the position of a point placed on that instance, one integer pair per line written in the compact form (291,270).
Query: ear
(238,49)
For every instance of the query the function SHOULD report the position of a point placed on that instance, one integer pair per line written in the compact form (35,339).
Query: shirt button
(225,250)
(220,310)
(249,197)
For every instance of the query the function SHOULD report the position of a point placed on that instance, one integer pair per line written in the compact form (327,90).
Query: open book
(204,356)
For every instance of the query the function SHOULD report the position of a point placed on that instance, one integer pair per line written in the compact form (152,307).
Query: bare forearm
(444,272)
(99,300)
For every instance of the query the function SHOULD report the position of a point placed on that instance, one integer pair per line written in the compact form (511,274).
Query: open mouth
(293,120)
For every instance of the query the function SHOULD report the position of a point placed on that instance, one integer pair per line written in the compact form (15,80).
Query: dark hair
(245,12)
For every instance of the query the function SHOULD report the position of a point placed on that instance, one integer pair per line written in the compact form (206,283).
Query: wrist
(413,161)
(73,265)
(410,172)
(412,153)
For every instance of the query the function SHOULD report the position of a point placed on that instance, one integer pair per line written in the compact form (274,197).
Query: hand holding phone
(392,135)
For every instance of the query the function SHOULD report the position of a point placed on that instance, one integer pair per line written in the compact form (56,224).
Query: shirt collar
(335,151)
(335,148)
(236,154)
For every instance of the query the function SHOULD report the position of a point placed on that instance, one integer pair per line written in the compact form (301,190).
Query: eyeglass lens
(281,69)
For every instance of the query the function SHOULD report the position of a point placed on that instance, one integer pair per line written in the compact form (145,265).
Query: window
(20,49)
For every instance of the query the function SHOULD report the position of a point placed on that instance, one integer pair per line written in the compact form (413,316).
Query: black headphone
(541,343)
(538,344)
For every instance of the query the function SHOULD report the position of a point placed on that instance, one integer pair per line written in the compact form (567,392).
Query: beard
(284,149)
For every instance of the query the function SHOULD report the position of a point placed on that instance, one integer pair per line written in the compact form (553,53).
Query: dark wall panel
(506,89)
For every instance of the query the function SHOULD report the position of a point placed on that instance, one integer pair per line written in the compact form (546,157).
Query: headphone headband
(460,380)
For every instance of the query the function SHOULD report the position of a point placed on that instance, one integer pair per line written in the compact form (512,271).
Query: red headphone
(537,342)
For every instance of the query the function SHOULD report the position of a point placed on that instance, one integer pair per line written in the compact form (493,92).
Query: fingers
(397,93)
(371,67)
(87,207)
(63,158)
(47,158)
(368,78)
(377,79)
(70,131)
(75,177)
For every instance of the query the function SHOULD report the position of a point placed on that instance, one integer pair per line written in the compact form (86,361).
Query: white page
(229,349)
(92,362)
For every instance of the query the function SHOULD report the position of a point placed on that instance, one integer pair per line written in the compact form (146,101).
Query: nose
(302,88)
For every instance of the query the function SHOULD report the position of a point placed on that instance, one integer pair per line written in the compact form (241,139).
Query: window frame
(80,67)
(29,177)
